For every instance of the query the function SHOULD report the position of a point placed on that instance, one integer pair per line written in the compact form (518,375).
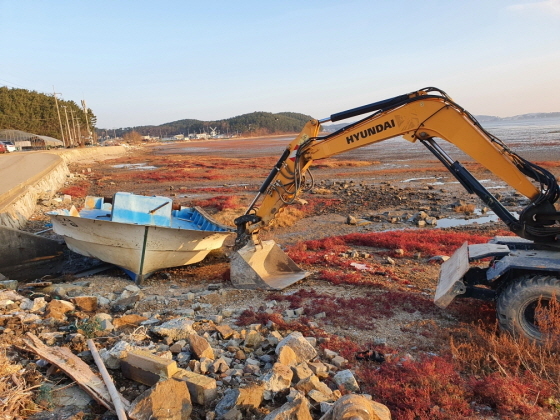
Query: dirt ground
(374,185)
(371,183)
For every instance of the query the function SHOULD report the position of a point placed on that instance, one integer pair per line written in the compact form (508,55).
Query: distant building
(23,140)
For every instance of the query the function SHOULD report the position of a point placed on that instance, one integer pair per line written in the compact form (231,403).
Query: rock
(287,356)
(132,288)
(357,407)
(112,357)
(176,329)
(9,284)
(64,291)
(37,305)
(432,221)
(10,295)
(129,320)
(240,354)
(26,318)
(439,259)
(301,347)
(318,396)
(313,382)
(329,354)
(301,371)
(200,347)
(346,381)
(338,361)
(73,395)
(50,338)
(248,397)
(85,303)
(219,366)
(58,308)
(253,339)
(297,409)
(125,303)
(177,347)
(233,414)
(167,400)
(225,331)
(319,369)
(279,378)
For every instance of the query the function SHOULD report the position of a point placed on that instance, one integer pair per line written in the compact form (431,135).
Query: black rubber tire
(517,302)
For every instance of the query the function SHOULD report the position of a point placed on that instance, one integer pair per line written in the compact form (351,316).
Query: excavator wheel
(518,302)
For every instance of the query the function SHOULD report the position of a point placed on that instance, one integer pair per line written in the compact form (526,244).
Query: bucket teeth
(264,266)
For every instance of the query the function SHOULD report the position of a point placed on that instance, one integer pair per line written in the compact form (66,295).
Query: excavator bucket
(263,266)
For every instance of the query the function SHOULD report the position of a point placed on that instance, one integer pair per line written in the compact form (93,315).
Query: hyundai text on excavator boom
(523,271)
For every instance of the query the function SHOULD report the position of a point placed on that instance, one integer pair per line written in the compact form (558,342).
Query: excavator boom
(418,116)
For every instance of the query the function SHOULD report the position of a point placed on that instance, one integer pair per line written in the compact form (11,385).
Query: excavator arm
(418,116)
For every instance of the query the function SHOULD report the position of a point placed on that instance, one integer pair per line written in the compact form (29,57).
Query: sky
(151,62)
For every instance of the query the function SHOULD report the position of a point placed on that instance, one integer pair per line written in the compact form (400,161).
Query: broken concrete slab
(176,329)
(303,350)
(346,381)
(203,389)
(149,362)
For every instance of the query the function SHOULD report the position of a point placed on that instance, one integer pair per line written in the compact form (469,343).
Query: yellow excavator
(523,271)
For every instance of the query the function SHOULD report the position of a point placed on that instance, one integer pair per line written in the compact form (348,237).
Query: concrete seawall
(19,201)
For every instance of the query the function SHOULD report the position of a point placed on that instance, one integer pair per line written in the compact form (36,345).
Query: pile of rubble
(183,366)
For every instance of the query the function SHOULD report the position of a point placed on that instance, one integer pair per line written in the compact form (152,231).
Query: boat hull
(138,249)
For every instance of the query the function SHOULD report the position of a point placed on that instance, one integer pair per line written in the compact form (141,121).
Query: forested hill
(255,124)
(33,112)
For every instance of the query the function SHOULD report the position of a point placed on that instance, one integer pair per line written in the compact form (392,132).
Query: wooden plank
(75,368)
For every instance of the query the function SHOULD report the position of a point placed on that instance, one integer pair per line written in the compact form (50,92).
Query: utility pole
(77,137)
(70,139)
(80,138)
(87,120)
(59,120)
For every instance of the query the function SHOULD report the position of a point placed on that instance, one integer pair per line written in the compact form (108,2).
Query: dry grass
(227,216)
(466,209)
(288,217)
(516,376)
(16,398)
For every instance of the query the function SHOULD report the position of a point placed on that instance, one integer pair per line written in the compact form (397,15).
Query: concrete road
(19,169)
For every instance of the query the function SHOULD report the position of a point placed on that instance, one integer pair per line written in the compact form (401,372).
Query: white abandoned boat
(139,234)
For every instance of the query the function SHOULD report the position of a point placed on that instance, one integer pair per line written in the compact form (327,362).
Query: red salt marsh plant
(220,202)
(79,189)
(428,242)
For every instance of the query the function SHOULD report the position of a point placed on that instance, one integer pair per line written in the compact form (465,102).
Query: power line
(14,84)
